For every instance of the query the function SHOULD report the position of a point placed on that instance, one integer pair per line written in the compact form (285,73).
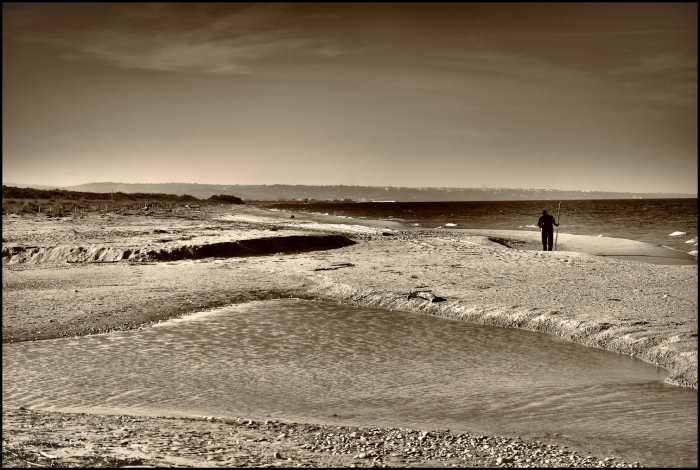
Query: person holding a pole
(546,223)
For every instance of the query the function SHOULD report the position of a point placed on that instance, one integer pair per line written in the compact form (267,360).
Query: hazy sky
(590,96)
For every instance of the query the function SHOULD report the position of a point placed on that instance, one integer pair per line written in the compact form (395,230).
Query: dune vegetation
(60,203)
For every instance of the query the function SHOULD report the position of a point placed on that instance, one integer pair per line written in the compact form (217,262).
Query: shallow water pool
(304,361)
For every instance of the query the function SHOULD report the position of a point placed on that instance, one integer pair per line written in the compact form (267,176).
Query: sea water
(315,362)
(672,223)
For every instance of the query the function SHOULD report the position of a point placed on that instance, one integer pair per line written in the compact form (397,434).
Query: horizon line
(365,186)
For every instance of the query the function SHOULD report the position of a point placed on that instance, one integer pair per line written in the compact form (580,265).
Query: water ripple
(306,361)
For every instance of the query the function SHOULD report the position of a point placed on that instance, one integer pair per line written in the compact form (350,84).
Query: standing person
(545,224)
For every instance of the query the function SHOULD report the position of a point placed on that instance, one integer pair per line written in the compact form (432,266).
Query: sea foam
(676,234)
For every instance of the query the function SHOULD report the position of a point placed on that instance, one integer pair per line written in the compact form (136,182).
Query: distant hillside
(282,192)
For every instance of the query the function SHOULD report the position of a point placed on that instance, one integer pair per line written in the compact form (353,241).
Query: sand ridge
(113,237)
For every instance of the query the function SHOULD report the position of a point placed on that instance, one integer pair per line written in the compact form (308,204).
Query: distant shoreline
(328,193)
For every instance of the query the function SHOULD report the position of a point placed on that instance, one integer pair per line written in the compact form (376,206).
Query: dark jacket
(545,223)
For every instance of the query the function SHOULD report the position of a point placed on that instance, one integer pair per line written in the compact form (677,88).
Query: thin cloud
(448,40)
(660,63)
(322,16)
(182,52)
(540,35)
(493,63)
(235,43)
(618,33)
(670,78)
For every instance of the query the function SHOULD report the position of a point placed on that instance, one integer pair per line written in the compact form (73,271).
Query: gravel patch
(52,439)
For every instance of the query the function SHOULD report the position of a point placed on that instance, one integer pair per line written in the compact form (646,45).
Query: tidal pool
(304,361)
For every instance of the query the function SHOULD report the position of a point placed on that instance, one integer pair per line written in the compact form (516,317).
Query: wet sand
(635,308)
(620,248)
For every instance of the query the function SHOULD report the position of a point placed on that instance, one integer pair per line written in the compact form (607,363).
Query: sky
(570,96)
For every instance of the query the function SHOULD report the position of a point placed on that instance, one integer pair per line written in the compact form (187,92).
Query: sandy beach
(68,277)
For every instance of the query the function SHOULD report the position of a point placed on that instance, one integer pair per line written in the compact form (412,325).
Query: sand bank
(253,214)
(217,249)
(111,238)
(642,309)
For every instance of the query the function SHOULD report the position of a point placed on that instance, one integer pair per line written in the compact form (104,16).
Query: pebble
(423,446)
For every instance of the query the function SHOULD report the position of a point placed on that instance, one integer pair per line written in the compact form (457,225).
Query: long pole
(555,238)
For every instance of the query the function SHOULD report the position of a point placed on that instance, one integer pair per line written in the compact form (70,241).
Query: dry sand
(636,308)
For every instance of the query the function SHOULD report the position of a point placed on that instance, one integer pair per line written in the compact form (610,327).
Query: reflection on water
(306,361)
